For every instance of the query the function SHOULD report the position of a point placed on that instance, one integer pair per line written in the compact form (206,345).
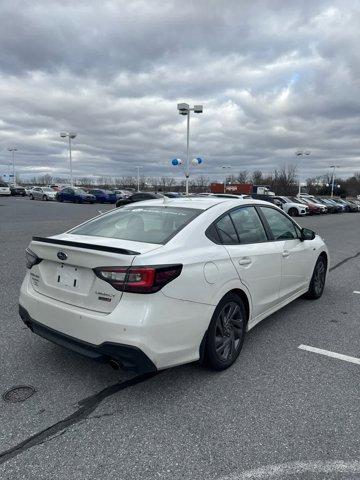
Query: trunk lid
(66,274)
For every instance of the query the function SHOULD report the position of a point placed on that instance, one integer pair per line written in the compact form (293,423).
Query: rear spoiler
(87,246)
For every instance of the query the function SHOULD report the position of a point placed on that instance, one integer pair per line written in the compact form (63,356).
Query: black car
(17,190)
(137,197)
(332,207)
(267,198)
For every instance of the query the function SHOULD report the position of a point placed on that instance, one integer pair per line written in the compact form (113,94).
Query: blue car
(104,196)
(75,195)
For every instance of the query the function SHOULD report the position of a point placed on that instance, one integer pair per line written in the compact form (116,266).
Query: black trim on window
(215,238)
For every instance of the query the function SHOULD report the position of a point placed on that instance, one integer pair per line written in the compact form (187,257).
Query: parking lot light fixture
(185,109)
(13,150)
(300,153)
(138,177)
(225,168)
(333,179)
(71,136)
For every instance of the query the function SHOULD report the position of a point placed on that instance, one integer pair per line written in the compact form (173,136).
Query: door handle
(245,261)
(286,253)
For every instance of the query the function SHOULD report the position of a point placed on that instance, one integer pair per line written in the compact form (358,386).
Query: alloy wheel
(319,277)
(228,331)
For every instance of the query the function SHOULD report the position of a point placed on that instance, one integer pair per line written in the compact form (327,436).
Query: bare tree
(284,180)
(243,176)
(202,183)
(257,177)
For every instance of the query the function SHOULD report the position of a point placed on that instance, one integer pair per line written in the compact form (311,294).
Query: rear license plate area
(67,276)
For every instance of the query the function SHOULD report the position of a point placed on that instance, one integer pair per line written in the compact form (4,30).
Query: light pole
(138,177)
(13,150)
(333,179)
(300,153)
(71,136)
(225,167)
(185,109)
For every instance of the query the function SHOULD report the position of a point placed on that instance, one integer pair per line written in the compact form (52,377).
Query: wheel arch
(247,303)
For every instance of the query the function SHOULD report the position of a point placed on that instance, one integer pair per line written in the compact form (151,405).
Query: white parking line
(356,291)
(339,356)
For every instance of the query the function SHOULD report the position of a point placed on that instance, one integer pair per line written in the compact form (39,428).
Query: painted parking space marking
(290,469)
(356,291)
(327,353)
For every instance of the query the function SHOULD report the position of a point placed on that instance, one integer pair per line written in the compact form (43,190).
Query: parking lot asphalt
(278,412)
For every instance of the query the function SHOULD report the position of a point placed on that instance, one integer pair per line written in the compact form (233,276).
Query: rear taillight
(139,279)
(31,258)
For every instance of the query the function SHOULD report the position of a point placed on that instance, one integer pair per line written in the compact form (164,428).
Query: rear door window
(248,225)
(226,231)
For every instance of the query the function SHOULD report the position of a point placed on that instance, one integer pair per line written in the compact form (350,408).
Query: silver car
(42,193)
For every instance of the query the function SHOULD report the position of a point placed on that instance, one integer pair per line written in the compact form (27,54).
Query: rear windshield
(146,224)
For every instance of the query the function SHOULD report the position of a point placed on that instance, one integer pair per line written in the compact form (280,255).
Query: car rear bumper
(166,330)
(126,356)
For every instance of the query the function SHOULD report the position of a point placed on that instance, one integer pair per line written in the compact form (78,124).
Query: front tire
(293,212)
(226,332)
(31,197)
(318,278)
(45,198)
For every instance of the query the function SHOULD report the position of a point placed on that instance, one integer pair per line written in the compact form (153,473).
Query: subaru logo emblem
(62,256)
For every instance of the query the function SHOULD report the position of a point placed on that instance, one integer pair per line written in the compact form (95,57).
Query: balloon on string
(176,162)
(196,161)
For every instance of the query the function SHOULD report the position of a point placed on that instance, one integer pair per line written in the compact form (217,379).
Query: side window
(248,225)
(281,227)
(65,190)
(137,197)
(226,231)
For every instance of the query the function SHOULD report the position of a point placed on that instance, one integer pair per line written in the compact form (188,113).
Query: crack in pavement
(86,407)
(344,261)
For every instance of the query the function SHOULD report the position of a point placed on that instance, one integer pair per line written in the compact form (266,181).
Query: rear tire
(225,336)
(45,198)
(318,278)
(31,197)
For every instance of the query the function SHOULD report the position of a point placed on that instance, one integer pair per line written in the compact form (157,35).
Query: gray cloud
(273,76)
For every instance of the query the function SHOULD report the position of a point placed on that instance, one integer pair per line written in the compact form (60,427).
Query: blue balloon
(199,160)
(176,162)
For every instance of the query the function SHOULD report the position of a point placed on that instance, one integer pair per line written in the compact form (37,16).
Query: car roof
(200,203)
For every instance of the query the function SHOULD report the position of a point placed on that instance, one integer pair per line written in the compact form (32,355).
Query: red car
(313,208)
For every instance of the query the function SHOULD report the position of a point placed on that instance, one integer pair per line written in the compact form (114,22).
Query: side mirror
(307,234)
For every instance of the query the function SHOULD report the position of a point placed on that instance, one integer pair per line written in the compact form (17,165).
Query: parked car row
(295,206)
(310,204)
(13,190)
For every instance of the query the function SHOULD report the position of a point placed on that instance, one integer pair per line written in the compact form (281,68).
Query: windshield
(48,190)
(140,224)
(80,190)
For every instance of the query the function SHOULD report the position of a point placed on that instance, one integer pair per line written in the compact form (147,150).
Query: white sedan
(4,189)
(42,193)
(165,282)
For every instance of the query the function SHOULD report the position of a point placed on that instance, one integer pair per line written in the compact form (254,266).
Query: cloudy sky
(273,76)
